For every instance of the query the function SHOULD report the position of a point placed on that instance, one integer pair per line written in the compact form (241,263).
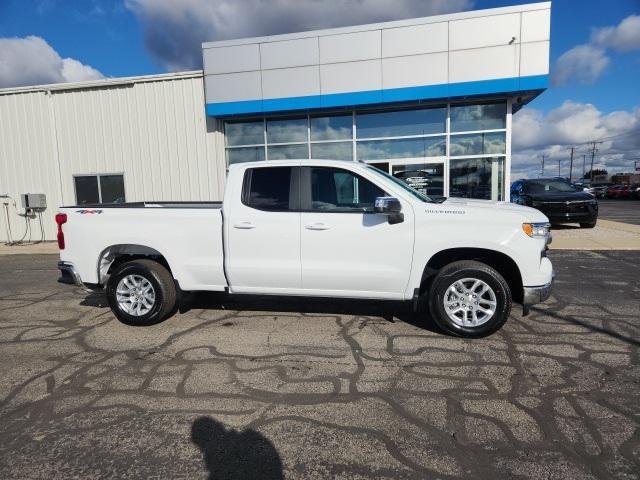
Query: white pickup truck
(313,228)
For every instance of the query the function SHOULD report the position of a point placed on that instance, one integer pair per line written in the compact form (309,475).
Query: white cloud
(32,61)
(174,31)
(584,63)
(623,37)
(75,71)
(535,133)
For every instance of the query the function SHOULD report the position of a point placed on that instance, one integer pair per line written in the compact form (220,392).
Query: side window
(337,190)
(268,188)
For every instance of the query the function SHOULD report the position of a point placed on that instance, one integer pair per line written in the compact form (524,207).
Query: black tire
(475,270)
(163,285)
(588,225)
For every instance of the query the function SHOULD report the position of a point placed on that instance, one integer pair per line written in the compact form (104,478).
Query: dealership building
(428,100)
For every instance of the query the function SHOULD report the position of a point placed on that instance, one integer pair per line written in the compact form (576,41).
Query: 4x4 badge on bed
(88,211)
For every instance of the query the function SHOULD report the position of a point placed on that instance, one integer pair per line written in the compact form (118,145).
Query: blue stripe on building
(372,97)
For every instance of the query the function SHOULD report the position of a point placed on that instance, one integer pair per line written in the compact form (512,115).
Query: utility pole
(584,163)
(593,155)
(558,167)
(542,171)
(571,166)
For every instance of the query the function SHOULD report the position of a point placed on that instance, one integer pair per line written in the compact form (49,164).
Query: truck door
(347,249)
(263,232)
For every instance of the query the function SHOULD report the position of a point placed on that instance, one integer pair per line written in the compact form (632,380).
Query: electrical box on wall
(36,202)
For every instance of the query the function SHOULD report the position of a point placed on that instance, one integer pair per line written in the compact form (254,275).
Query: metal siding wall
(155,132)
(28,161)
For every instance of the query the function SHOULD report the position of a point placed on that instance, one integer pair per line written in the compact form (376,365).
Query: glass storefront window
(426,178)
(334,127)
(401,148)
(245,154)
(332,150)
(410,143)
(287,152)
(244,133)
(476,178)
(477,144)
(286,130)
(465,118)
(401,123)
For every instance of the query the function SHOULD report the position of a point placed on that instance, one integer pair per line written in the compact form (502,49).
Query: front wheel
(469,299)
(588,225)
(141,292)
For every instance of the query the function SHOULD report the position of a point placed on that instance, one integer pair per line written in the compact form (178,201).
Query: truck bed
(188,235)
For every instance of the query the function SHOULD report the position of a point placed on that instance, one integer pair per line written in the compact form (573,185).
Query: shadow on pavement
(593,328)
(230,454)
(387,310)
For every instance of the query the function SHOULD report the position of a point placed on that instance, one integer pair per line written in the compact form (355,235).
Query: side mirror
(391,207)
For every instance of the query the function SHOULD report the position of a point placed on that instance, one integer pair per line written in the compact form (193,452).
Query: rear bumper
(69,274)
(534,295)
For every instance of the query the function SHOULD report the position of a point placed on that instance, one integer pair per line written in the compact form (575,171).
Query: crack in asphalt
(329,388)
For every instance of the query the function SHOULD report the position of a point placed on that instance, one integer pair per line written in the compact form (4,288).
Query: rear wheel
(469,299)
(141,292)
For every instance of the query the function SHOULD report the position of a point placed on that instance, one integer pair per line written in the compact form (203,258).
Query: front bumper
(69,274)
(534,295)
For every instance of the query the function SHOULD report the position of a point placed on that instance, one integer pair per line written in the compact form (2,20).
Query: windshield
(401,184)
(548,186)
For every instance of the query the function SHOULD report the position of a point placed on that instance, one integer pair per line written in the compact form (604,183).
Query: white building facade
(429,100)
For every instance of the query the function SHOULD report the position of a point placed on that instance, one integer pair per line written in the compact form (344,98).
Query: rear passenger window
(268,189)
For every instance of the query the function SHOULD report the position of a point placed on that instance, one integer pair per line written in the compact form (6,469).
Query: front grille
(566,207)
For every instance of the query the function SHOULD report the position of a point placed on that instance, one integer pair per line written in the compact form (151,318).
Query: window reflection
(466,118)
(335,127)
(244,133)
(332,150)
(401,148)
(477,144)
(476,178)
(401,123)
(286,130)
(245,154)
(287,152)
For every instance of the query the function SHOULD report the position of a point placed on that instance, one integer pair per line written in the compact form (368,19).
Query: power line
(609,137)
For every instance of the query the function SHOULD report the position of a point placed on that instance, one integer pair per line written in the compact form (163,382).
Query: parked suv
(557,199)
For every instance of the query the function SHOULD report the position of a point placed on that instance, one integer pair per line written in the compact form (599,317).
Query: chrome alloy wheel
(135,295)
(470,302)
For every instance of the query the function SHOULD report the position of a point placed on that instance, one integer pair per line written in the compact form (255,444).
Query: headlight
(536,230)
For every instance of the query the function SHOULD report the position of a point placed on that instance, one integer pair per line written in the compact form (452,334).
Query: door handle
(317,226)
(245,225)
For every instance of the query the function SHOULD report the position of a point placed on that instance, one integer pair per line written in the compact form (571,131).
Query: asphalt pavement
(299,388)
(626,211)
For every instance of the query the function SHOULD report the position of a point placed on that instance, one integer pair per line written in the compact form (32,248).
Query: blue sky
(117,38)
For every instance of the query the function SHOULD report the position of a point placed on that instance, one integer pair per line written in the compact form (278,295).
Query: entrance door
(426,176)
(347,249)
